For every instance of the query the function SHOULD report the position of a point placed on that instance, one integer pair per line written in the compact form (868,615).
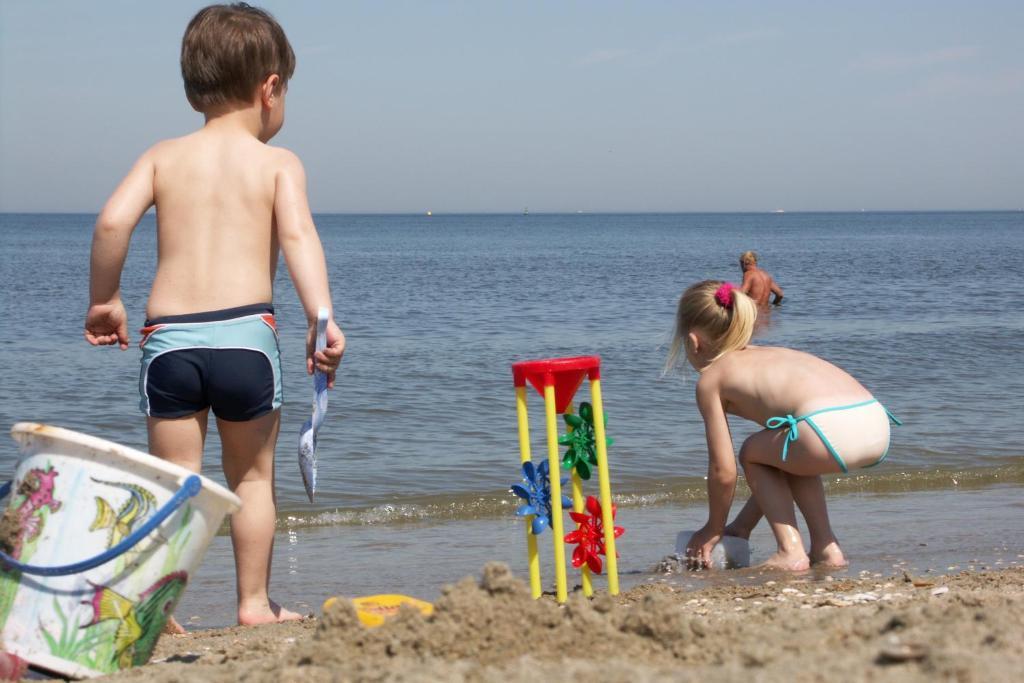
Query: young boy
(226,204)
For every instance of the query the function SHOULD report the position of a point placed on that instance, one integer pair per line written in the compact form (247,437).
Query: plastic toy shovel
(309,431)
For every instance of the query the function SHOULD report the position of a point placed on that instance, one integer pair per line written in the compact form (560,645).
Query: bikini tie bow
(792,435)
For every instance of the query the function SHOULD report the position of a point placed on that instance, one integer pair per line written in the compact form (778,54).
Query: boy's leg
(809,494)
(179,441)
(248,462)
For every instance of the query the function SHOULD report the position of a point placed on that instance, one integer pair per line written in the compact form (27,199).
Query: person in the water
(757,283)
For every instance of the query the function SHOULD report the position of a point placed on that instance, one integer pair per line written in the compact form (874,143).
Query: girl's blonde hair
(723,314)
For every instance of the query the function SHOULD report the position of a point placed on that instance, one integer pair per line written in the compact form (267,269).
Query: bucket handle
(189,489)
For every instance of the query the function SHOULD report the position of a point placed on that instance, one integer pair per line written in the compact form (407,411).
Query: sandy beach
(707,264)
(964,627)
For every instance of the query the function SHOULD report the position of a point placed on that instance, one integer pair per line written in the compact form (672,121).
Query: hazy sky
(555,106)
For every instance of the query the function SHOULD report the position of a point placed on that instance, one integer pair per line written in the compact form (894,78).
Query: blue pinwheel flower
(536,491)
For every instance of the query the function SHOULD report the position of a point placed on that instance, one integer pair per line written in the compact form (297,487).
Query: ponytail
(722,313)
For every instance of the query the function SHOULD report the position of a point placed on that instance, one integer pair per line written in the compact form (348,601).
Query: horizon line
(623,212)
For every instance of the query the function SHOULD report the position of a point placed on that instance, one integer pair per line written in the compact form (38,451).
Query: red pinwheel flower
(589,536)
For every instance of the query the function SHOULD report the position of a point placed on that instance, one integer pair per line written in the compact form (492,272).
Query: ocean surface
(420,443)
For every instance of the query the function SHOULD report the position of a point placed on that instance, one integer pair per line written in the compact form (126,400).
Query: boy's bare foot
(172,627)
(829,556)
(795,561)
(272,613)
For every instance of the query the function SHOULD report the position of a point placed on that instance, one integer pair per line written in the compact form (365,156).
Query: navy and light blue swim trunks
(226,360)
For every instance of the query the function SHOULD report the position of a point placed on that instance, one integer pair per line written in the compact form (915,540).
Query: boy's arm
(721,473)
(106,322)
(304,256)
(777,291)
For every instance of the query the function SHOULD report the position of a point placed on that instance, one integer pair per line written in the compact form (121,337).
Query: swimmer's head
(229,52)
(713,318)
(748,259)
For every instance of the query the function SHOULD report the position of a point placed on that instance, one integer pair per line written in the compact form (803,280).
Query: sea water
(420,444)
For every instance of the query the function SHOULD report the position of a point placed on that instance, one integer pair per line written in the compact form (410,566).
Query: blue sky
(555,106)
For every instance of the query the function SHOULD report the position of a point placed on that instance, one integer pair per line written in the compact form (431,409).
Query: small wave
(684,491)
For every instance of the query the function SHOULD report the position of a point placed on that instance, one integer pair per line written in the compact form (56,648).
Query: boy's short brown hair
(228,50)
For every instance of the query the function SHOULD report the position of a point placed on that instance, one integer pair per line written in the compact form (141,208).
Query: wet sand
(963,627)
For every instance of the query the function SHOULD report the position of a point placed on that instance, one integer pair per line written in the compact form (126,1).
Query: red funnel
(565,374)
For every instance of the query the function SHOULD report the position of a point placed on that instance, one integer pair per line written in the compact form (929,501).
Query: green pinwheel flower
(580,439)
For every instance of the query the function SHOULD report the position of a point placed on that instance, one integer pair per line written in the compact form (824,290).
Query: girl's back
(759,382)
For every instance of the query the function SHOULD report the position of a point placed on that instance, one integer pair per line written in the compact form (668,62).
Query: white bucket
(729,553)
(75,498)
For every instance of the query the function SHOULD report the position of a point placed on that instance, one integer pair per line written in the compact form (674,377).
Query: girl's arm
(304,256)
(106,322)
(721,457)
(721,473)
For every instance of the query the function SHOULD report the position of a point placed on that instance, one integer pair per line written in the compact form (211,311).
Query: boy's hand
(698,551)
(107,324)
(327,360)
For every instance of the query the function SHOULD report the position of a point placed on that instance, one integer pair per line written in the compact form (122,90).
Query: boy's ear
(269,90)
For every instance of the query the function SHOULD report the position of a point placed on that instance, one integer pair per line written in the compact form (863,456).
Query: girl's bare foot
(829,556)
(271,613)
(793,561)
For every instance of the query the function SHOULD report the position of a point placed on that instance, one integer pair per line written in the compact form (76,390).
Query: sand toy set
(557,380)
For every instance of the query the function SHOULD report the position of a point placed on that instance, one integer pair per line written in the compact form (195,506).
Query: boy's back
(214,194)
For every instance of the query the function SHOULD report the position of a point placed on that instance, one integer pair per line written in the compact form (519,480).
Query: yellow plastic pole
(577,506)
(532,557)
(554,464)
(606,488)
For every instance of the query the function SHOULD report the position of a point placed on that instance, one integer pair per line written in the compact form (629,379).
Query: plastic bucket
(729,553)
(99,542)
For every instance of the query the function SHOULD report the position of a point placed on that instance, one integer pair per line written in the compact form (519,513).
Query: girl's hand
(327,360)
(107,325)
(698,551)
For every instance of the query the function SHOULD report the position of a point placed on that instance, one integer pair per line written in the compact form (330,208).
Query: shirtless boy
(757,283)
(226,205)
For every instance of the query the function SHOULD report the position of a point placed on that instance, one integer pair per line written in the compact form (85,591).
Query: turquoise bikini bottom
(792,424)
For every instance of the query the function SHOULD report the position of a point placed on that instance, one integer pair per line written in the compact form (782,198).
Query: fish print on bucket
(31,505)
(36,491)
(136,508)
(139,623)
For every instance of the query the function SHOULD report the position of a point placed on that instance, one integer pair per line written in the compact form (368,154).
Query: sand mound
(494,621)
(969,627)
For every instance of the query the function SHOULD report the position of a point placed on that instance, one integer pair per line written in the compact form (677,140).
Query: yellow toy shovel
(373,610)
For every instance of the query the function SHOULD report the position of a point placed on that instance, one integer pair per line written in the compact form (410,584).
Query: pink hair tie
(723,295)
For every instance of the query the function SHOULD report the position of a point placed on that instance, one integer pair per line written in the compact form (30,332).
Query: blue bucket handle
(189,489)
